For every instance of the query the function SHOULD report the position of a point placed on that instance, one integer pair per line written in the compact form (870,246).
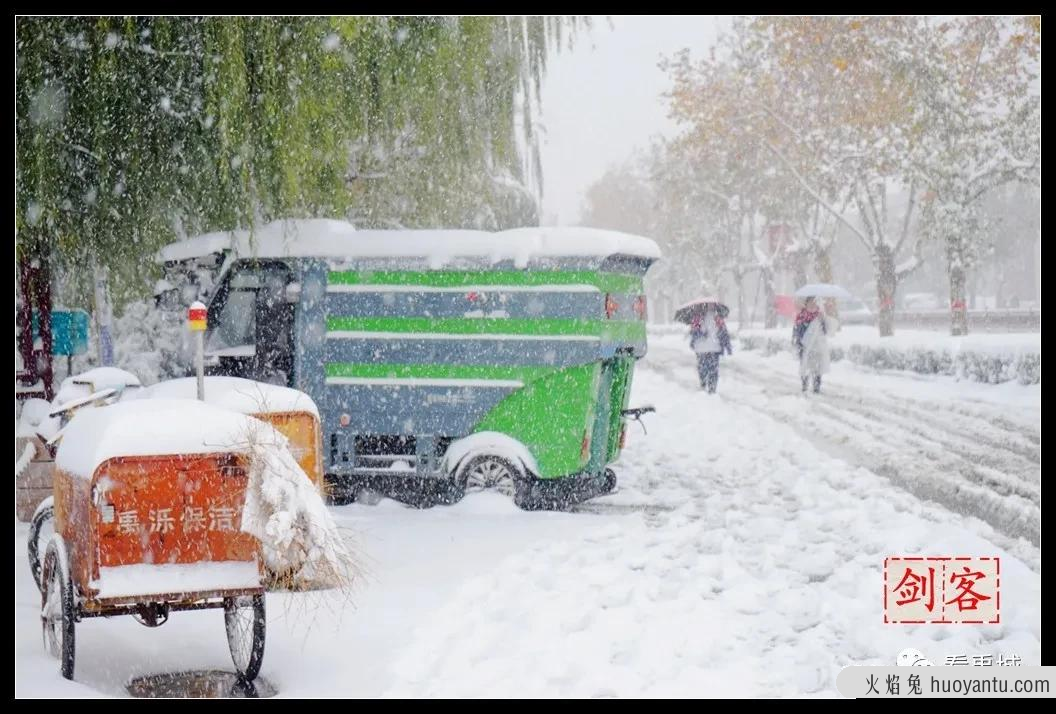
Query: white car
(855,312)
(920,302)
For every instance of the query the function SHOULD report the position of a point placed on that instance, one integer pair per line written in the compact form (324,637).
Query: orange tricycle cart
(148,507)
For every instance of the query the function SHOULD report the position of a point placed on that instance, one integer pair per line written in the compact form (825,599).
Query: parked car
(851,312)
(917,302)
(856,312)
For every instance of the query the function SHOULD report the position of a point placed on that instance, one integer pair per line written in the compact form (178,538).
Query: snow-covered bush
(149,342)
(991,366)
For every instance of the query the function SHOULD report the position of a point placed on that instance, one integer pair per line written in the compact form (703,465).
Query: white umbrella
(823,290)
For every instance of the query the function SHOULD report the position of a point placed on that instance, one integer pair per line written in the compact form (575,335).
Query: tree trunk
(799,271)
(1037,270)
(103,317)
(24,318)
(739,279)
(958,307)
(767,277)
(886,283)
(43,302)
(35,287)
(823,267)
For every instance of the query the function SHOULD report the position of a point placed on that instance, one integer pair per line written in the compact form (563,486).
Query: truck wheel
(491,472)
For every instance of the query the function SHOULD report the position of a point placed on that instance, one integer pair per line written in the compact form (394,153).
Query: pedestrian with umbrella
(811,330)
(708,337)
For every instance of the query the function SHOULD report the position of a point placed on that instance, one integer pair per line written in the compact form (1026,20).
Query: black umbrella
(696,308)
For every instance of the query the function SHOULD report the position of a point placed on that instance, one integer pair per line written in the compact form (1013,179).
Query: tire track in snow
(963,430)
(999,464)
(977,426)
(882,435)
(938,450)
(763,581)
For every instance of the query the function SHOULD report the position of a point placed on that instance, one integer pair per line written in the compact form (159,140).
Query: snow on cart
(40,422)
(291,412)
(168,505)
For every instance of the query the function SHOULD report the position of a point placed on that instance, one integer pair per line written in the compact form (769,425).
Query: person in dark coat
(709,338)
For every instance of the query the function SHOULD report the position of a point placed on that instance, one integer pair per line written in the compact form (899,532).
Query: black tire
(488,471)
(245,623)
(44,516)
(451,492)
(57,608)
(339,492)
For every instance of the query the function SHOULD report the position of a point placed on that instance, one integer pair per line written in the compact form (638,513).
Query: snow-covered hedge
(989,363)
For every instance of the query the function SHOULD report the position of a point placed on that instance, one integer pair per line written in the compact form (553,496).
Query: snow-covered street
(741,556)
(551,356)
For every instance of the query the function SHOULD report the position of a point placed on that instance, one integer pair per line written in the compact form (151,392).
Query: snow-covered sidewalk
(764,578)
(742,555)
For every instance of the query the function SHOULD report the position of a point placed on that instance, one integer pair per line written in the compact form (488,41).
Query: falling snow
(420,375)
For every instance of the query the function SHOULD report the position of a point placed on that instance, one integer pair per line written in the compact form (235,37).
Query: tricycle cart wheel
(41,527)
(489,471)
(58,609)
(244,618)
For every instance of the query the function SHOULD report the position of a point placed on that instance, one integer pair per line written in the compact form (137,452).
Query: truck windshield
(232,334)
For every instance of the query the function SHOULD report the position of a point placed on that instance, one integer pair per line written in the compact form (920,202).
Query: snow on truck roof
(149,427)
(241,395)
(196,247)
(330,238)
(574,241)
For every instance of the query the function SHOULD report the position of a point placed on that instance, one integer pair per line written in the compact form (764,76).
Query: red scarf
(806,316)
(698,322)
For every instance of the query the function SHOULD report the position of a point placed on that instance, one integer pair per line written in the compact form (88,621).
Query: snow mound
(94,380)
(148,427)
(241,395)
